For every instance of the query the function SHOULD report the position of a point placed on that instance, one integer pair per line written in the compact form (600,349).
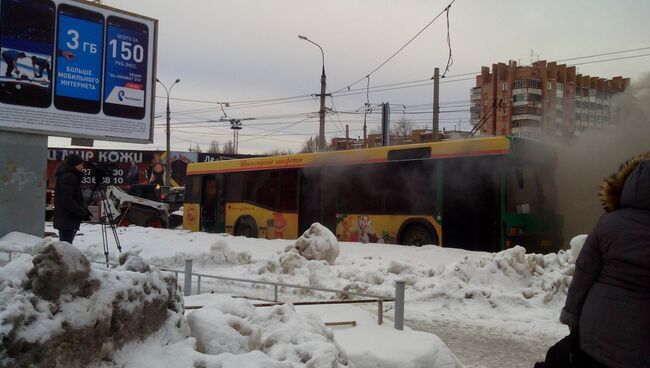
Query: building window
(549,85)
(505,86)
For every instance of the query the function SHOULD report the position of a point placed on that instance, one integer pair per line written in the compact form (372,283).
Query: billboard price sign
(75,69)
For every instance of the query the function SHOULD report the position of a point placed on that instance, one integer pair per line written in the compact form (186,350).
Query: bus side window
(360,188)
(410,187)
(289,191)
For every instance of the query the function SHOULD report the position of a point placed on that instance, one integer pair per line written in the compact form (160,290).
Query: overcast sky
(248,50)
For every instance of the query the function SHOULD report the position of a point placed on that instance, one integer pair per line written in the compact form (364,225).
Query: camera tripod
(107,219)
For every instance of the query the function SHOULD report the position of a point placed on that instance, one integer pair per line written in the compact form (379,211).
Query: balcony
(533,133)
(524,117)
(527,103)
(475,93)
(527,83)
(520,91)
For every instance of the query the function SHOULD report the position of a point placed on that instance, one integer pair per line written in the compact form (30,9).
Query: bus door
(471,206)
(212,211)
(316,200)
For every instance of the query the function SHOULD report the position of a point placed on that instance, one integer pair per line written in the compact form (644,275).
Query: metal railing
(187,288)
(398,299)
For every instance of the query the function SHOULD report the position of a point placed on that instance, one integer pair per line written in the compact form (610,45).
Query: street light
(168,91)
(323,87)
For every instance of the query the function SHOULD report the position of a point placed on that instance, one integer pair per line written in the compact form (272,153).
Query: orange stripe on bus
(354,162)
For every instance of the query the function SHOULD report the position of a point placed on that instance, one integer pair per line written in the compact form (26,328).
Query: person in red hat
(69,209)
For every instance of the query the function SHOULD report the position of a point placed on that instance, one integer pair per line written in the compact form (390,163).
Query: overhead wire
(605,54)
(400,49)
(306,97)
(388,87)
(450,60)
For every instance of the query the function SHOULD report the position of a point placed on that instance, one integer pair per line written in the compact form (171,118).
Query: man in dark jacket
(69,209)
(609,298)
(11,58)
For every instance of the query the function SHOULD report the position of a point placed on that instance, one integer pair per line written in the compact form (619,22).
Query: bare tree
(195,149)
(278,152)
(228,147)
(310,145)
(214,147)
(402,128)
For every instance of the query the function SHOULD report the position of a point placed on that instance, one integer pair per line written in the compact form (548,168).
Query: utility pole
(168,132)
(365,127)
(236,127)
(436,104)
(385,124)
(495,83)
(321,113)
(347,136)
(323,93)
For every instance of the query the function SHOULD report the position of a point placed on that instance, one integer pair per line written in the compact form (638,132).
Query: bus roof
(444,149)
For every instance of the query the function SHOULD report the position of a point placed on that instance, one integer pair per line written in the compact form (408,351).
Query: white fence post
(188,278)
(399,305)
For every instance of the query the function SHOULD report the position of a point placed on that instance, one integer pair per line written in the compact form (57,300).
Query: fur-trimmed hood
(629,187)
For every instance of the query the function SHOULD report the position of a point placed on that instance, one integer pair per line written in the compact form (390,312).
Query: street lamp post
(323,87)
(168,132)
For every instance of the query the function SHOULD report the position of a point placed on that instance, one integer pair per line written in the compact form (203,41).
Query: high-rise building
(543,101)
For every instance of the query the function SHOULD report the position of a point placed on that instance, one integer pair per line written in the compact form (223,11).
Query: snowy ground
(492,310)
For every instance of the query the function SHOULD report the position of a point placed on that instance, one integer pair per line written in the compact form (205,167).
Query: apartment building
(543,101)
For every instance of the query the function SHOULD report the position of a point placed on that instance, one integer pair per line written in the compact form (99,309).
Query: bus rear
(528,207)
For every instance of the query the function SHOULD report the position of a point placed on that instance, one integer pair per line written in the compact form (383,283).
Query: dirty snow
(510,293)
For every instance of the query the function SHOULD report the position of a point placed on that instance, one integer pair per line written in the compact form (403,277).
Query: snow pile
(234,326)
(506,286)
(231,333)
(20,242)
(62,312)
(58,267)
(318,243)
(308,262)
(291,268)
(576,246)
(219,253)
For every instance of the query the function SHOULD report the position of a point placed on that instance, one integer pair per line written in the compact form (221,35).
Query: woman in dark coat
(609,298)
(69,210)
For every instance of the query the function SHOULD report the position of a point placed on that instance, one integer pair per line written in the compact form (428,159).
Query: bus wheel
(417,235)
(246,226)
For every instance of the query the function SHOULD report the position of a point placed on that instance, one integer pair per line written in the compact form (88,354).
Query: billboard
(124,167)
(127,167)
(75,69)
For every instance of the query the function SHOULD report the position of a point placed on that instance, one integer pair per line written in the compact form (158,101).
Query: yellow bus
(479,194)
